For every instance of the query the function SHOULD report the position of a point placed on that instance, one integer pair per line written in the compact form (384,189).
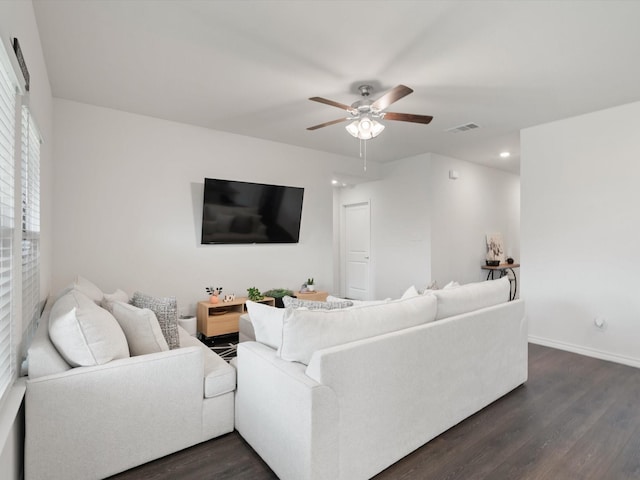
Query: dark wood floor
(575,418)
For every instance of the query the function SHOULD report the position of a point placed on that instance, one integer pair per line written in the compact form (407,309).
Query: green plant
(254,294)
(278,293)
(310,281)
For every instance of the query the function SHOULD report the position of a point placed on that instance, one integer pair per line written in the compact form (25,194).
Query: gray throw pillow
(166,310)
(290,302)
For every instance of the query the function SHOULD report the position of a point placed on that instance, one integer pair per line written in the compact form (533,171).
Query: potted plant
(278,294)
(310,285)
(254,294)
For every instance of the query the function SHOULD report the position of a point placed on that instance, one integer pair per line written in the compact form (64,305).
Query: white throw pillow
(472,296)
(305,331)
(85,334)
(410,292)
(110,298)
(267,323)
(141,328)
(88,288)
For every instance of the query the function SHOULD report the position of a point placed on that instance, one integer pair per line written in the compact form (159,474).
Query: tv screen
(244,212)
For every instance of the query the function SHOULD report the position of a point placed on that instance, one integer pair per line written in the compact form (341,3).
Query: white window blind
(30,181)
(7,223)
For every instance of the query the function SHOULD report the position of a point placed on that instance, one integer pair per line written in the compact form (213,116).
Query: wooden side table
(222,318)
(315,296)
(504,269)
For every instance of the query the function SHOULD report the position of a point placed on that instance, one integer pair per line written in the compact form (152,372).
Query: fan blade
(391,96)
(333,104)
(326,124)
(408,117)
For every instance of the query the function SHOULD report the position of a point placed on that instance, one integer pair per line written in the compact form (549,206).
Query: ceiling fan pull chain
(365,153)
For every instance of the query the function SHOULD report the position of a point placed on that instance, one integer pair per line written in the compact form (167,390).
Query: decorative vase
(214,299)
(311,288)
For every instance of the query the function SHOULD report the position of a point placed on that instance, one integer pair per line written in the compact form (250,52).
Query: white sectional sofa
(90,422)
(318,403)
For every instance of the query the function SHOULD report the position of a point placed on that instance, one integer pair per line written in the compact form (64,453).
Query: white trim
(589,352)
(9,408)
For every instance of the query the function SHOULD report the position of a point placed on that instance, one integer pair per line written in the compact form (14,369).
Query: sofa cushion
(84,333)
(166,311)
(267,323)
(290,302)
(110,298)
(141,328)
(219,376)
(305,331)
(88,288)
(44,358)
(472,296)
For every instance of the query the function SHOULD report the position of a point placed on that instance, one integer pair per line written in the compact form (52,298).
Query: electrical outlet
(600,323)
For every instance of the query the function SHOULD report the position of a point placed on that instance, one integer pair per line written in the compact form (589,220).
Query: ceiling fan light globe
(376,128)
(352,128)
(365,128)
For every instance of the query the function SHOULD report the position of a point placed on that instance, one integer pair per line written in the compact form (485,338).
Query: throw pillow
(166,311)
(290,302)
(267,323)
(305,331)
(410,292)
(85,334)
(110,298)
(88,288)
(357,303)
(141,328)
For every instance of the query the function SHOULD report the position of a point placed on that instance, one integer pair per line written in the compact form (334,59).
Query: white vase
(311,288)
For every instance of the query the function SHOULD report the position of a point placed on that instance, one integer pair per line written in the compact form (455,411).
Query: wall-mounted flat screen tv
(244,212)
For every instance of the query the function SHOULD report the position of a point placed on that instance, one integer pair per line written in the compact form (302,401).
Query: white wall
(18,20)
(580,232)
(482,200)
(128,196)
(426,227)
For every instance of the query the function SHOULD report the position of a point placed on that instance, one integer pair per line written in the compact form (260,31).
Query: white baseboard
(589,352)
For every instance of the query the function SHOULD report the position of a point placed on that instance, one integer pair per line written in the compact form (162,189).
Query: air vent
(463,128)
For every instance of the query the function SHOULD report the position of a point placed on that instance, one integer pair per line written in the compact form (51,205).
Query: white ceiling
(248,67)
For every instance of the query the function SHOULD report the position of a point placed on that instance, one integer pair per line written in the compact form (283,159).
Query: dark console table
(504,269)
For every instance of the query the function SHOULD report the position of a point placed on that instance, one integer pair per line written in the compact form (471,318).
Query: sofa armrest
(219,376)
(246,331)
(136,408)
(288,418)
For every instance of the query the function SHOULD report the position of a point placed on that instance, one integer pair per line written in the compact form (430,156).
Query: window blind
(30,182)
(7,225)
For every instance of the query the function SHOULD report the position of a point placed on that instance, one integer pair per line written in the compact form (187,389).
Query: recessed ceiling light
(334,182)
(505,155)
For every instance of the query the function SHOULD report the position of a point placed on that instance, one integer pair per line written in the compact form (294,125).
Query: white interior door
(357,243)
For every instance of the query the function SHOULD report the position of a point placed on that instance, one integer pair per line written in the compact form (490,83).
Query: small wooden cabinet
(222,318)
(315,296)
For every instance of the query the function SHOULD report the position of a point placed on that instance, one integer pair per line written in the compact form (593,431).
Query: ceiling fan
(365,113)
